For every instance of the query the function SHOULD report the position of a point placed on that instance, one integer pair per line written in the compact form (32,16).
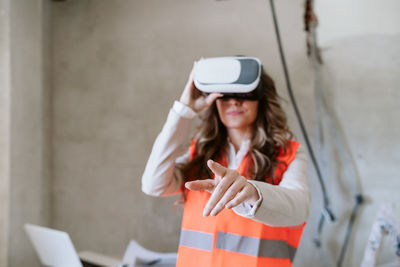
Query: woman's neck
(237,136)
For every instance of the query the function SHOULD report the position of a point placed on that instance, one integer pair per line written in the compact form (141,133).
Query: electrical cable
(322,105)
(359,201)
(326,211)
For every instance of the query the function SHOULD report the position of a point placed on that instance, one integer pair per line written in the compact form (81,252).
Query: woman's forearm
(286,204)
(158,178)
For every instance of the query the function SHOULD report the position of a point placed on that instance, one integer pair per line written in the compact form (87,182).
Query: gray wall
(4,129)
(29,158)
(25,179)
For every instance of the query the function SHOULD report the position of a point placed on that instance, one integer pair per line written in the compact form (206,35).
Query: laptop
(55,249)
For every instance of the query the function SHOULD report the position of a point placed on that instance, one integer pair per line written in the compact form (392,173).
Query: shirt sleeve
(286,204)
(158,178)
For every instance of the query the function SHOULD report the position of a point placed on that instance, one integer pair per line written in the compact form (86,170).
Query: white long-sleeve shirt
(286,204)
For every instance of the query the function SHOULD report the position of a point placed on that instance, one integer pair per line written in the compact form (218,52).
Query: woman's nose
(234,101)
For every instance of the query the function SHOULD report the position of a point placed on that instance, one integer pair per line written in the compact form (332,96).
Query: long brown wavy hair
(271,135)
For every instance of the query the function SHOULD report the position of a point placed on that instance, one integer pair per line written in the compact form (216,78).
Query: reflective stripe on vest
(242,244)
(196,239)
(255,246)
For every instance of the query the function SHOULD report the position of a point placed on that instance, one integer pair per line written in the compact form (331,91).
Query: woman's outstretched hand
(192,97)
(228,189)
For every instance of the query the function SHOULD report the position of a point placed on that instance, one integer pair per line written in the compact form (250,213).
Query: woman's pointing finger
(217,168)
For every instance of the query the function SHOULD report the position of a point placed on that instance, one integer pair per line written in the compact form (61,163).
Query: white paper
(136,255)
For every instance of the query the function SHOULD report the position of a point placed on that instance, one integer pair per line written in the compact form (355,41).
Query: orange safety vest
(232,240)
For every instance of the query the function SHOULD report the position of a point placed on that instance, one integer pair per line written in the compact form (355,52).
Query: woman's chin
(237,126)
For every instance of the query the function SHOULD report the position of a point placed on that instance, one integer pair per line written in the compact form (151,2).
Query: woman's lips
(234,112)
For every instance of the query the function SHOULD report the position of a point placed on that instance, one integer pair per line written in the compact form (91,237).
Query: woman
(243,180)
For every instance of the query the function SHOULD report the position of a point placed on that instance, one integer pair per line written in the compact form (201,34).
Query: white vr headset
(231,75)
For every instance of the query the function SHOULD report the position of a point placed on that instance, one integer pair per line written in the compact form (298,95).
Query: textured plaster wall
(343,19)
(360,43)
(119,65)
(360,81)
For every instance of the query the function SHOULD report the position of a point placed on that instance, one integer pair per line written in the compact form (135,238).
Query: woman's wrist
(255,197)
(252,200)
(183,110)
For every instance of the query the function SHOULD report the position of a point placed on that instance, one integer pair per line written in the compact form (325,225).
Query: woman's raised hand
(228,189)
(192,97)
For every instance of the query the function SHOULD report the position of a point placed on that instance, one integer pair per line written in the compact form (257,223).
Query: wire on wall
(326,211)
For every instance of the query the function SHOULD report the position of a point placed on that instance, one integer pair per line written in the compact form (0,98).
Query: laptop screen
(53,247)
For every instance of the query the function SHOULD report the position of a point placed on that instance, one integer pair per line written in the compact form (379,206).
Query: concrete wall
(25,179)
